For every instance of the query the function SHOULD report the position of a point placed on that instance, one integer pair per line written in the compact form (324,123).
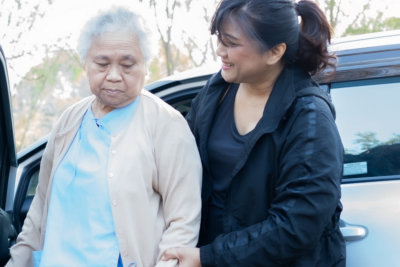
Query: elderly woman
(120,177)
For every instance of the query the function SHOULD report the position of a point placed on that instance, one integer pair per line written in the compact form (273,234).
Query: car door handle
(352,232)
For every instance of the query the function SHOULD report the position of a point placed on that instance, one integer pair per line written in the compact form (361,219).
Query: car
(365,90)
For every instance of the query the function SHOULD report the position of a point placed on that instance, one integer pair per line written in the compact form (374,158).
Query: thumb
(170,254)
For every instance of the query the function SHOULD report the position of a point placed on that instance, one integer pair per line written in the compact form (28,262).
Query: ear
(275,54)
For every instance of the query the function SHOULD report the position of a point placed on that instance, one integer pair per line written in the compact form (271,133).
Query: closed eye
(227,42)
(102,64)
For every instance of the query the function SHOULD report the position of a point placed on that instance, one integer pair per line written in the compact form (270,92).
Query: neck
(99,109)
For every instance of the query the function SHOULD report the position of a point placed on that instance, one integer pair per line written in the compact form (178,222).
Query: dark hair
(271,22)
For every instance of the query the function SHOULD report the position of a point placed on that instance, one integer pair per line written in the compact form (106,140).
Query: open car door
(8,161)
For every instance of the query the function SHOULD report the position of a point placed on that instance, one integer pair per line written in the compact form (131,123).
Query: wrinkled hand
(187,257)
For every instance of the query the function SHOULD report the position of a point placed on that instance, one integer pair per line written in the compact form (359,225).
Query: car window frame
(366,82)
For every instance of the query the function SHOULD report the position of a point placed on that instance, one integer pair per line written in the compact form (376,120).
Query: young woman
(271,153)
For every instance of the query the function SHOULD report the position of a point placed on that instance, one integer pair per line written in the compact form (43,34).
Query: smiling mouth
(226,66)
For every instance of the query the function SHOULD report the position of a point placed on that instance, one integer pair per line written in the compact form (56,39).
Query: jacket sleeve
(307,192)
(28,240)
(179,184)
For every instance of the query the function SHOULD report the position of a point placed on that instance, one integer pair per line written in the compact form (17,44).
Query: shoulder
(314,98)
(167,123)
(163,117)
(77,108)
(154,105)
(73,113)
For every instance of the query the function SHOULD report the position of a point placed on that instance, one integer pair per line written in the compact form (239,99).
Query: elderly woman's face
(116,70)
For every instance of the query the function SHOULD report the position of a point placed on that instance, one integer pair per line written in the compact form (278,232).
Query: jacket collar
(282,97)
(289,82)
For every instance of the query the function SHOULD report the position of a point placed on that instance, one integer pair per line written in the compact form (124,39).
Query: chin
(228,78)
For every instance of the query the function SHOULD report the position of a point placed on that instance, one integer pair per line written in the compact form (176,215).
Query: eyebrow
(125,57)
(100,58)
(128,57)
(227,35)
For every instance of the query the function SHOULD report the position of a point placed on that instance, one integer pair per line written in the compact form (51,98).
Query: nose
(114,74)
(221,50)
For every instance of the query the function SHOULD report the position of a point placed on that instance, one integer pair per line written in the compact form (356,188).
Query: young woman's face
(242,61)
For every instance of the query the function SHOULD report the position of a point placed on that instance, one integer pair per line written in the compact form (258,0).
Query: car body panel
(376,207)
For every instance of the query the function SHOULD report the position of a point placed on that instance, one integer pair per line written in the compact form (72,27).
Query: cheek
(135,79)
(95,77)
(134,85)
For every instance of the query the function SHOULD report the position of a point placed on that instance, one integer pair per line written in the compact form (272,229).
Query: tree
(17,18)
(367,140)
(356,19)
(44,92)
(395,139)
(164,24)
(201,49)
(372,24)
(188,49)
(333,10)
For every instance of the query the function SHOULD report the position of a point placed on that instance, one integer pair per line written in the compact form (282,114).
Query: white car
(366,93)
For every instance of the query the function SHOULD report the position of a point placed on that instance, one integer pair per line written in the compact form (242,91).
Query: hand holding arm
(187,257)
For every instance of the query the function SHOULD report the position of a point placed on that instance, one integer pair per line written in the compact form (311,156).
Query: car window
(33,182)
(183,106)
(367,118)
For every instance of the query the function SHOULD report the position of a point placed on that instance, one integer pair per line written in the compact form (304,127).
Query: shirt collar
(114,121)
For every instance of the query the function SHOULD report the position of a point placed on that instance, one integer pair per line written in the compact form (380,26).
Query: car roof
(366,40)
(366,56)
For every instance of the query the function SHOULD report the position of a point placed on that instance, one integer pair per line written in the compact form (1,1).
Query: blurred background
(45,73)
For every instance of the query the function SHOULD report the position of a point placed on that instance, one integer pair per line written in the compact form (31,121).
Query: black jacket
(283,205)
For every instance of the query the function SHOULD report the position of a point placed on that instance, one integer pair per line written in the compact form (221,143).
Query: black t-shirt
(225,147)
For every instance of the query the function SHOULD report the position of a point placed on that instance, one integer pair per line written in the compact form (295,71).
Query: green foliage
(361,19)
(369,140)
(376,24)
(392,23)
(45,74)
(394,140)
(41,97)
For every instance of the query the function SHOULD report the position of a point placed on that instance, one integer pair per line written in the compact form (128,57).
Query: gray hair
(115,19)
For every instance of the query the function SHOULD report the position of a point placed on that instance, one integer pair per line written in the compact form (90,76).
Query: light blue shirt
(80,228)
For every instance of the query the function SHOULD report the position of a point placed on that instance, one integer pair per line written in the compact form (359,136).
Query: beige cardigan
(154,183)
